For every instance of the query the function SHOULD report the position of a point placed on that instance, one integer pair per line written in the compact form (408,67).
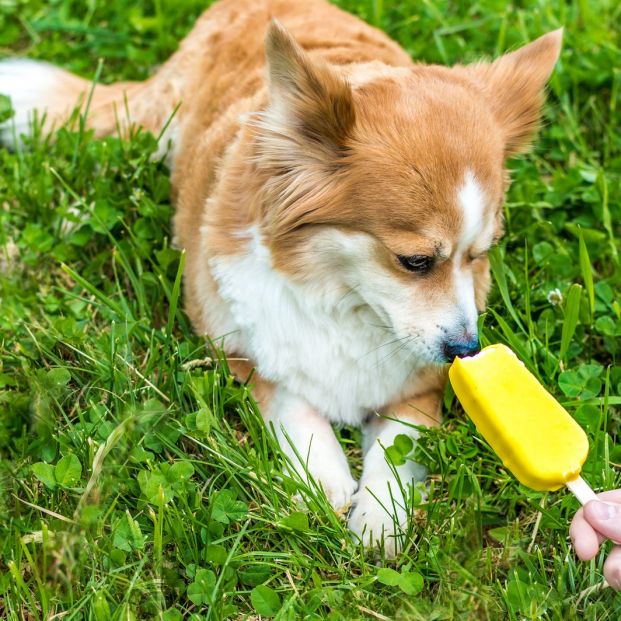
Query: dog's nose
(461,348)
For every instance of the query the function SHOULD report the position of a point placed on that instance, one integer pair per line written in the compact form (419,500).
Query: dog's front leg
(308,440)
(380,506)
(305,437)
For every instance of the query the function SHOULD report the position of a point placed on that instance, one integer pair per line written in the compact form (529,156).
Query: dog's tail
(53,94)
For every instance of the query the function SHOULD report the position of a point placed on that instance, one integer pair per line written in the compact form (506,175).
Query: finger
(613,495)
(585,539)
(604,517)
(580,518)
(612,568)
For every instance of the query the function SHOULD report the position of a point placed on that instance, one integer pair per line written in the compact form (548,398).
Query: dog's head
(389,182)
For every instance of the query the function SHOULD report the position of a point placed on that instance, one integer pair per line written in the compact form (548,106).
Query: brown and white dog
(336,202)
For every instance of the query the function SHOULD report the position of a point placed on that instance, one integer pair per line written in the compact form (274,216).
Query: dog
(336,202)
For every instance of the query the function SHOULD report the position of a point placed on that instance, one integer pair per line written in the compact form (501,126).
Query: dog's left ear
(515,86)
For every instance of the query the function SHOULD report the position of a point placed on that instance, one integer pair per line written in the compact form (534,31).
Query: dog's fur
(306,159)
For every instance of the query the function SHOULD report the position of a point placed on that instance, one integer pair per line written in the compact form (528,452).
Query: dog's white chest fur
(333,353)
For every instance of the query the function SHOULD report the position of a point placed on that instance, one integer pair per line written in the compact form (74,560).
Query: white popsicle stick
(581,490)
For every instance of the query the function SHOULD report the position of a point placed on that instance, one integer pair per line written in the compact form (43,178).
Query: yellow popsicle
(537,440)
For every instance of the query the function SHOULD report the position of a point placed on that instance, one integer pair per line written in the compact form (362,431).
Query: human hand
(597,521)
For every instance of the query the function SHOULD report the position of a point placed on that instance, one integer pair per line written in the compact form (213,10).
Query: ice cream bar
(534,436)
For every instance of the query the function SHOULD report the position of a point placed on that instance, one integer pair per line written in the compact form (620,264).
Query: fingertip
(612,568)
(599,510)
(610,496)
(605,518)
(584,539)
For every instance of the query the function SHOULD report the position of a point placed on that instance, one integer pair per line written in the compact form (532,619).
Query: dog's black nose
(461,348)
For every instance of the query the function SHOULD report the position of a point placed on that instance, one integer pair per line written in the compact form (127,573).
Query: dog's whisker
(393,354)
(387,344)
(407,341)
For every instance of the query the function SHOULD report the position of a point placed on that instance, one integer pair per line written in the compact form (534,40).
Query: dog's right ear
(301,136)
(306,97)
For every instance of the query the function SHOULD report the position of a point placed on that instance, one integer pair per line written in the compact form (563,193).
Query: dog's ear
(307,97)
(301,136)
(515,86)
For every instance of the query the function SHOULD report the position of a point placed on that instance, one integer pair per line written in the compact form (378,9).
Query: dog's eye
(416,263)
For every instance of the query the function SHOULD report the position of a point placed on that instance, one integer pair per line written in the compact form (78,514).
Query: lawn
(136,479)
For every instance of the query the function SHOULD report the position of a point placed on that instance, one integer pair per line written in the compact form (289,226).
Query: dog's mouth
(422,352)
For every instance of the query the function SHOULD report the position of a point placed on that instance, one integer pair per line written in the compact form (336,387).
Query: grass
(136,480)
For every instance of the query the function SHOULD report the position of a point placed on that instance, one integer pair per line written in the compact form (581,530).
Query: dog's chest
(339,358)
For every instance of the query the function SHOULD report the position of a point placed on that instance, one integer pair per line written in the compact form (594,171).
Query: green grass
(136,483)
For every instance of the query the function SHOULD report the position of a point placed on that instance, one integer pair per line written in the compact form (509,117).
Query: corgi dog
(336,202)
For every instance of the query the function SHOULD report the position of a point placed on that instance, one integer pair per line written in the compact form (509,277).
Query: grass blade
(572,310)
(497,264)
(174,298)
(587,273)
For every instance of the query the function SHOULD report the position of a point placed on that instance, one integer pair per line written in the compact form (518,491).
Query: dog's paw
(336,482)
(379,516)
(339,489)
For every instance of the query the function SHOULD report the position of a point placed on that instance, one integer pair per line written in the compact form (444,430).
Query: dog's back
(218,65)
(199,95)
